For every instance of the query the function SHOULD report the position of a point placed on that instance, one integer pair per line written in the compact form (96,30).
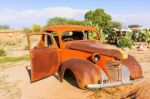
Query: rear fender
(84,71)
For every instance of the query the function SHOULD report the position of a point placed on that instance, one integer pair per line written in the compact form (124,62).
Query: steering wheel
(67,39)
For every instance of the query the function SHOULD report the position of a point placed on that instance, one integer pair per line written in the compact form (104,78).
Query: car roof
(64,28)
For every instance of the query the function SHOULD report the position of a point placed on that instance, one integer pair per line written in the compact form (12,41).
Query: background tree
(4,27)
(134,26)
(115,24)
(63,21)
(99,16)
(110,34)
(36,28)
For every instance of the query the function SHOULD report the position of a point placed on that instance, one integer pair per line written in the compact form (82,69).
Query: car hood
(93,46)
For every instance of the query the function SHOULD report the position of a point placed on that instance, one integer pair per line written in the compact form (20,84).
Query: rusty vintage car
(78,49)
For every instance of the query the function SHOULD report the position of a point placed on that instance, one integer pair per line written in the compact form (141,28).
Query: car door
(44,57)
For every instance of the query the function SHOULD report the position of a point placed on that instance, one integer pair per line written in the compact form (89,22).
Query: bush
(27,30)
(36,28)
(129,35)
(147,37)
(125,42)
(2,52)
(11,42)
(139,37)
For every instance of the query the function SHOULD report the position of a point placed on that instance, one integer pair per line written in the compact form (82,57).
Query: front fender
(134,67)
(84,71)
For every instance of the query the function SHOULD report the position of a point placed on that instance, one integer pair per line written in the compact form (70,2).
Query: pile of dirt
(139,90)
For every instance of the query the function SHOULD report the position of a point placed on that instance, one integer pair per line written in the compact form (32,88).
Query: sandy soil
(15,84)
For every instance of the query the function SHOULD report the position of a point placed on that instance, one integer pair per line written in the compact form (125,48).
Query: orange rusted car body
(91,61)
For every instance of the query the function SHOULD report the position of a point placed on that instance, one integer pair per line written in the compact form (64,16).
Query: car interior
(70,36)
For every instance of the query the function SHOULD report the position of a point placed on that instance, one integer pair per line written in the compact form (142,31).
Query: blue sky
(19,13)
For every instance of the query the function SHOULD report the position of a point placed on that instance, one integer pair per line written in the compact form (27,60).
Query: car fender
(134,67)
(85,72)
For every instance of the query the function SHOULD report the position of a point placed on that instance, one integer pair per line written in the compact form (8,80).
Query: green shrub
(103,37)
(125,42)
(2,52)
(15,59)
(139,37)
(36,28)
(147,36)
(129,35)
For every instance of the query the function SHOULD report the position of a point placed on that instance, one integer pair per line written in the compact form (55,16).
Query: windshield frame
(83,31)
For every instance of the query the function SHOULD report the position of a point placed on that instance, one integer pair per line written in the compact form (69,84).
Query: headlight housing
(95,57)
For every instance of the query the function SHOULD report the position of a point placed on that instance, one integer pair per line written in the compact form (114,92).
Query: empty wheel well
(70,77)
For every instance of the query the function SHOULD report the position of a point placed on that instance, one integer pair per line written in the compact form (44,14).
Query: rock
(142,48)
(126,49)
(10,34)
(134,47)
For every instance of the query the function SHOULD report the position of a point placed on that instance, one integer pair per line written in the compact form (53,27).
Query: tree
(36,28)
(115,24)
(111,35)
(63,21)
(134,26)
(99,16)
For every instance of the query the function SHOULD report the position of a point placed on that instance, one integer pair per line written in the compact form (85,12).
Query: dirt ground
(15,82)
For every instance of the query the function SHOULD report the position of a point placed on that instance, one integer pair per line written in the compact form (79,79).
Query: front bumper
(110,85)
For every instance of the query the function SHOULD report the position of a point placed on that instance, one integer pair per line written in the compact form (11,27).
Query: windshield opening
(79,35)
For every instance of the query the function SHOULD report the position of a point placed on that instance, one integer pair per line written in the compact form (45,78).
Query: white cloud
(29,17)
(139,18)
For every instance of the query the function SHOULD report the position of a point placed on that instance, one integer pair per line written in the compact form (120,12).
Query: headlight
(95,57)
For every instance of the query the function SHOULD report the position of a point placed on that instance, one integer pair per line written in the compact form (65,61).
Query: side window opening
(57,41)
(91,35)
(55,35)
(47,40)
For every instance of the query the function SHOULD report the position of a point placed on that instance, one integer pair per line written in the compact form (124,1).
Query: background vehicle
(77,49)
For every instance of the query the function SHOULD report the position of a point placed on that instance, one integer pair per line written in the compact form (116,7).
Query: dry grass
(10,30)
